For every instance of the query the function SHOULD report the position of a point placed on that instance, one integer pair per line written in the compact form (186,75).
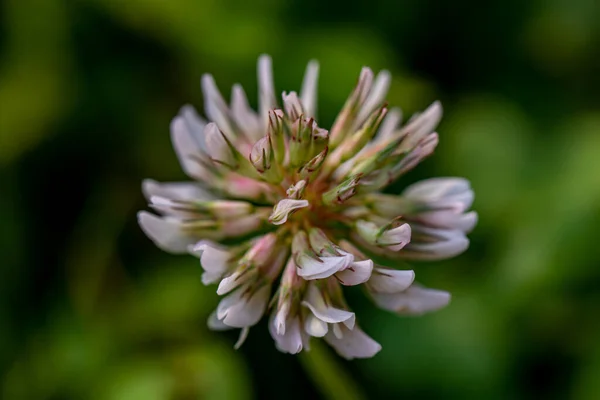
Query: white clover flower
(282,213)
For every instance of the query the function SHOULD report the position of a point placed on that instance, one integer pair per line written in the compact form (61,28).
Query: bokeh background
(90,309)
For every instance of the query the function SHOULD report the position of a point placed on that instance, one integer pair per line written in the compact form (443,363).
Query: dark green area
(90,309)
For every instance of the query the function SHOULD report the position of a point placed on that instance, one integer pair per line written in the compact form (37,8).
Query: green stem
(328,375)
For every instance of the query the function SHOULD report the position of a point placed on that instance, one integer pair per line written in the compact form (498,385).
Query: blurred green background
(90,309)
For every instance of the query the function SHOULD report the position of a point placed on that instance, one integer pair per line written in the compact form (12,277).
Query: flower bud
(343,191)
(277,130)
(393,238)
(297,190)
(261,154)
(314,164)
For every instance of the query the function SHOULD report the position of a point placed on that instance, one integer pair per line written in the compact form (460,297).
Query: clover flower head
(283,213)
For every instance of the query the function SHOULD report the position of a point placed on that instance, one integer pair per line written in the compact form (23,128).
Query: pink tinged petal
(240,186)
(390,280)
(314,326)
(238,310)
(308,93)
(166,233)
(358,272)
(416,300)
(243,225)
(218,148)
(316,303)
(284,208)
(395,239)
(266,87)
(353,344)
(230,209)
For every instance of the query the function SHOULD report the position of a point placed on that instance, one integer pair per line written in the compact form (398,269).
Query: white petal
(209,278)
(358,272)
(316,303)
(319,268)
(365,82)
(445,244)
(195,125)
(376,95)
(389,125)
(266,87)
(243,335)
(214,259)
(390,280)
(215,107)
(337,331)
(228,302)
(436,189)
(187,149)
(218,148)
(292,105)
(165,233)
(246,119)
(231,282)
(308,93)
(416,300)
(449,219)
(215,324)
(292,341)
(281,317)
(353,344)
(315,326)
(175,190)
(284,208)
(395,239)
(421,126)
(242,311)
